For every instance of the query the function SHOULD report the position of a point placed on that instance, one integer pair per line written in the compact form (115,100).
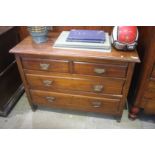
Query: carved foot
(118,119)
(34,107)
(134,113)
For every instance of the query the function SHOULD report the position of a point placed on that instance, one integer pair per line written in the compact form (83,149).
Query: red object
(127,34)
(135,110)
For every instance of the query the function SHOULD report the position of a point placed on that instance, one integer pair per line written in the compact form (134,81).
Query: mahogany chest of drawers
(72,79)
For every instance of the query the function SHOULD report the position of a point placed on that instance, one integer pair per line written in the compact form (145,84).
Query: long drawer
(77,102)
(60,66)
(109,70)
(96,85)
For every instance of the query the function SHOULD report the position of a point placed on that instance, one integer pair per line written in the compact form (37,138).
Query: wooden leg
(118,119)
(134,113)
(34,107)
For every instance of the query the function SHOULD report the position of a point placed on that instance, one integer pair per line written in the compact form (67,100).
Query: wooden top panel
(27,46)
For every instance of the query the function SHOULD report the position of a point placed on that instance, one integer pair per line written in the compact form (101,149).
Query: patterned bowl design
(38,33)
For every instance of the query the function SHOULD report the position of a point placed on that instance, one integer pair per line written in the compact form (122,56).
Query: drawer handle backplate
(98,88)
(50,99)
(96,104)
(44,66)
(99,70)
(47,82)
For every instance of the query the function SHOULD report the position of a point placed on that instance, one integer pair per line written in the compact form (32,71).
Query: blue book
(95,36)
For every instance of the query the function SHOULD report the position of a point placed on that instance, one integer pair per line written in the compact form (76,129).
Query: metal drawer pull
(50,99)
(96,104)
(47,82)
(99,70)
(98,88)
(44,66)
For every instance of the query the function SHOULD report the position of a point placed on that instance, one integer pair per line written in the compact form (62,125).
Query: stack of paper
(62,42)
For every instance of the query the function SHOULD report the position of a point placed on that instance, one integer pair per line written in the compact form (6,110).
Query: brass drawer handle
(47,82)
(50,99)
(96,104)
(44,66)
(98,88)
(99,70)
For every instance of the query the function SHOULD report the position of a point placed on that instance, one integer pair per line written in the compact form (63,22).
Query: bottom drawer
(75,102)
(149,106)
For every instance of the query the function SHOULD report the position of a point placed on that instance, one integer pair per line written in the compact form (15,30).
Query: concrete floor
(23,117)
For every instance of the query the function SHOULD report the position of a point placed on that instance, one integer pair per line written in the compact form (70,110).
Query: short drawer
(100,85)
(60,66)
(75,102)
(100,69)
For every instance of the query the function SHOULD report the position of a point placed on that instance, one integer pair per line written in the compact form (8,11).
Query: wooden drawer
(75,102)
(60,66)
(148,105)
(100,69)
(149,94)
(96,85)
(153,72)
(150,91)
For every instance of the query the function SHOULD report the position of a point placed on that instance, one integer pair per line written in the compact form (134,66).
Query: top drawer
(109,70)
(61,66)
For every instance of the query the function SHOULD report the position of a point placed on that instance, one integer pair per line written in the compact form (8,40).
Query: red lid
(127,34)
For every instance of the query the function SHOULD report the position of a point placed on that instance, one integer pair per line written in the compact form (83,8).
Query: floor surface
(22,117)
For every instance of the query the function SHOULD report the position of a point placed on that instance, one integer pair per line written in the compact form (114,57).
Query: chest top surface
(28,47)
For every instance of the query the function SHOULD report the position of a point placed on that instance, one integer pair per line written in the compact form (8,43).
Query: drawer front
(100,69)
(101,85)
(150,91)
(77,102)
(46,65)
(149,105)
(153,72)
(149,94)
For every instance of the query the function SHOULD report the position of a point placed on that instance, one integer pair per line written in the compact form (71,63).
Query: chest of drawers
(72,79)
